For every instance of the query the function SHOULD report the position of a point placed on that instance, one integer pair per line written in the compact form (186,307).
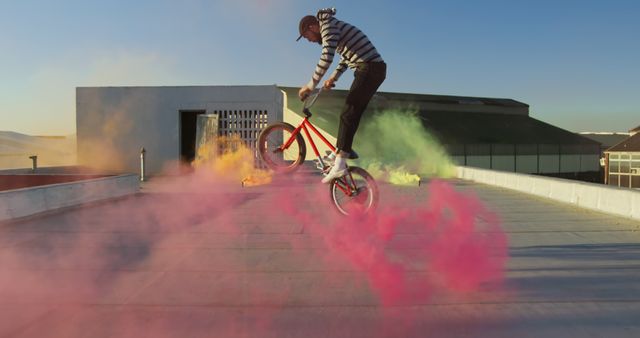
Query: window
(614,166)
(635,161)
(624,167)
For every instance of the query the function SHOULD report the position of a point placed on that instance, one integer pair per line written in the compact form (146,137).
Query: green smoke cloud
(395,147)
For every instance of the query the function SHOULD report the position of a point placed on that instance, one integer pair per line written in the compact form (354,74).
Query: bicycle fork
(347,184)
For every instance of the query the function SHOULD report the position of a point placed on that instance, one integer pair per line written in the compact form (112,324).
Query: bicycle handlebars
(311,99)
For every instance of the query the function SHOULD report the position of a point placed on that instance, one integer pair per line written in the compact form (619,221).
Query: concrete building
(622,162)
(114,123)
(606,140)
(489,133)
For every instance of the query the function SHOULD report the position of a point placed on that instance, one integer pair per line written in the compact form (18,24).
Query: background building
(114,123)
(480,132)
(606,140)
(623,162)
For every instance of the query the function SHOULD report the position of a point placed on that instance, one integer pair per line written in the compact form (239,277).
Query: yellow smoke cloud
(228,157)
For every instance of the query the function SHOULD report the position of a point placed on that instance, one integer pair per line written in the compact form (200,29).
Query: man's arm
(342,66)
(331,81)
(330,37)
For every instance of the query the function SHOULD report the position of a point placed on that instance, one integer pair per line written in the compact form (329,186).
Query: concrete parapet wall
(612,200)
(24,202)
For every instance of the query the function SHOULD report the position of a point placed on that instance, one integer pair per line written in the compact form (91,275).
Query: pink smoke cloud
(410,252)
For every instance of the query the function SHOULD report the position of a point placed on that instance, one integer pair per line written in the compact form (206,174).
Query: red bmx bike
(283,149)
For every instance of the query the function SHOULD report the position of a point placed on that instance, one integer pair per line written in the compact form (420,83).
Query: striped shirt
(351,43)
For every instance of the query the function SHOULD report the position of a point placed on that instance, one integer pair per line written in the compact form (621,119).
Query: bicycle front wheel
(275,153)
(355,192)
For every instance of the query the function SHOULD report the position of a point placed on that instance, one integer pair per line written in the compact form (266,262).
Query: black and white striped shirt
(350,42)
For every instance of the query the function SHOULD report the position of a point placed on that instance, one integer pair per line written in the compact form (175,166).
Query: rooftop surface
(158,265)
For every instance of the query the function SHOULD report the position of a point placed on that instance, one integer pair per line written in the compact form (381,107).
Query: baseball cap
(305,22)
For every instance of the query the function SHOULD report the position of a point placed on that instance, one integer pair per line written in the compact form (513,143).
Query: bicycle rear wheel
(271,147)
(355,192)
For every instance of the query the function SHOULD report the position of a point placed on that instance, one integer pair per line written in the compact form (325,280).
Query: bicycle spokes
(354,192)
(343,184)
(280,148)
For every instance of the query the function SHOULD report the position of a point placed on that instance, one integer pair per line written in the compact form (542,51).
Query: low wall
(17,181)
(612,200)
(24,202)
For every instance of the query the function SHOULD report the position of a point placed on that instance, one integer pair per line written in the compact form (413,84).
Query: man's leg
(364,86)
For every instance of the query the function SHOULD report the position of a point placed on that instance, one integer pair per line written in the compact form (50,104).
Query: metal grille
(247,124)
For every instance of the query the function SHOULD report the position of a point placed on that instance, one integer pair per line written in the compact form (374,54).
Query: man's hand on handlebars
(329,83)
(303,93)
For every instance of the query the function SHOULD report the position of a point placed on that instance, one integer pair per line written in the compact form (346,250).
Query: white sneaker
(330,157)
(339,169)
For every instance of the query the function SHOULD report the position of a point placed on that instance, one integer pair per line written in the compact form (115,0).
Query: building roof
(453,119)
(333,100)
(454,127)
(631,144)
(606,139)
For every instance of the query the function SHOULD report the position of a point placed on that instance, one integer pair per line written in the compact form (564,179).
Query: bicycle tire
(366,198)
(269,141)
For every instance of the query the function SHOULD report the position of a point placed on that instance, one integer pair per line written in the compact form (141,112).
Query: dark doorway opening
(188,123)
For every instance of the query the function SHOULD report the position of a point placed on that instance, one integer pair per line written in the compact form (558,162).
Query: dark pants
(368,77)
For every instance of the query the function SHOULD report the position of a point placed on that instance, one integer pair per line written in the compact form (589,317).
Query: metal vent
(247,124)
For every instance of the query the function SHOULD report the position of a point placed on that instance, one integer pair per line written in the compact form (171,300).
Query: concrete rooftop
(101,271)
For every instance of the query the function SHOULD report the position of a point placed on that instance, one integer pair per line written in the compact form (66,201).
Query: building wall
(114,123)
(527,164)
(624,169)
(528,158)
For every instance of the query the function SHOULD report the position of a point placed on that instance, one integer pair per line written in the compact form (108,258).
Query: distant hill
(15,149)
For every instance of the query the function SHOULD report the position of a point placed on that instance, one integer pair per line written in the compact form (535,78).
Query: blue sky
(574,62)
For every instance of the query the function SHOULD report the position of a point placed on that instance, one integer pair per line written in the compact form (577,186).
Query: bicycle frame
(342,183)
(306,125)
